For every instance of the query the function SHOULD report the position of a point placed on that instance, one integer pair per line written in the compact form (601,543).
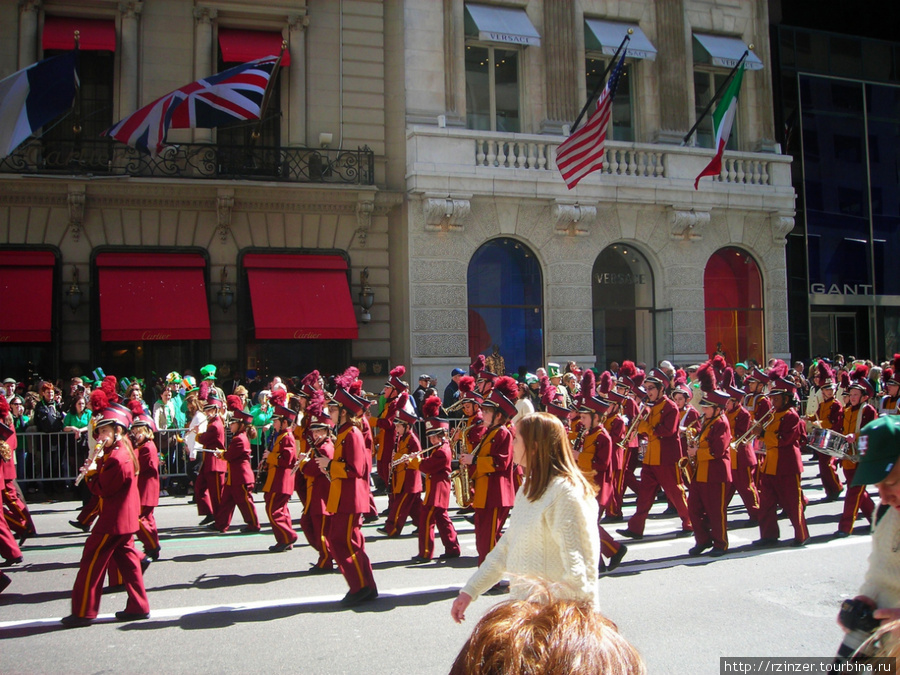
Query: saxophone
(460,480)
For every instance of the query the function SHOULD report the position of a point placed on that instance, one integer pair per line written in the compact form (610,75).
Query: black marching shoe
(73,621)
(370,517)
(145,563)
(798,543)
(698,549)
(449,555)
(617,558)
(9,562)
(364,594)
(79,526)
(280,548)
(718,552)
(246,529)
(765,542)
(152,553)
(206,521)
(418,559)
(132,616)
(631,535)
(315,569)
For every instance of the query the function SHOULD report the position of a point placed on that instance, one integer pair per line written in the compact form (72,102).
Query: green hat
(741,365)
(552,370)
(530,379)
(879,449)
(208,372)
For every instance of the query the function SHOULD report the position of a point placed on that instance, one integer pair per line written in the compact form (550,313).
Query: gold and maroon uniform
(148,490)
(314,521)
(302,444)
(707,498)
(744,463)
(406,486)
(16,513)
(494,492)
(856,499)
(616,427)
(239,482)
(830,415)
(595,462)
(211,473)
(436,467)
(779,482)
(279,487)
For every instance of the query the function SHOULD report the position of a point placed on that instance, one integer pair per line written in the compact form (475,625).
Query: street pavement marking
(180,612)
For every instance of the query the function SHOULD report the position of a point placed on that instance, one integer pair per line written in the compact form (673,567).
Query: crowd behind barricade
(692,436)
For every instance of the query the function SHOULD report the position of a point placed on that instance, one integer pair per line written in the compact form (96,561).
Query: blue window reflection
(505,293)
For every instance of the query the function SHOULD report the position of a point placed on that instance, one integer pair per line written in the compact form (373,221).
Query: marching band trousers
(208,491)
(781,490)
(488,525)
(99,550)
(300,486)
(622,479)
(315,527)
(856,500)
(9,549)
(17,516)
(405,505)
(608,546)
(240,495)
(652,478)
(434,516)
(744,482)
(147,533)
(279,514)
(89,511)
(828,473)
(706,503)
(348,546)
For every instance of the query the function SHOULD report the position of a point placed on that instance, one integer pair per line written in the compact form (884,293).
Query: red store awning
(26,296)
(93,34)
(240,46)
(152,296)
(300,297)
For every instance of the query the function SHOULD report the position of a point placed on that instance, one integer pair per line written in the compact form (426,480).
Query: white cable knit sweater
(555,538)
(882,582)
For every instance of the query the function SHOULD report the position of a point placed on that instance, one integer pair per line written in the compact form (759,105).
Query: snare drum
(828,442)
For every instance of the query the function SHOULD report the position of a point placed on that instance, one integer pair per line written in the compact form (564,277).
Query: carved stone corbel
(131,9)
(687,225)
(446,212)
(299,21)
(782,225)
(573,219)
(364,210)
(75,200)
(224,207)
(205,14)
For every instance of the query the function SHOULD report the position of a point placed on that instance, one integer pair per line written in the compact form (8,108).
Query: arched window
(732,289)
(506,304)
(623,303)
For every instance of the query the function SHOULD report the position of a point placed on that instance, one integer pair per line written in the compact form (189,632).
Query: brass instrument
(456,406)
(643,411)
(5,451)
(758,425)
(93,455)
(412,455)
(461,482)
(578,441)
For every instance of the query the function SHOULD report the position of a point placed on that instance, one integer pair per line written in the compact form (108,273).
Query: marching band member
(142,429)
(301,433)
(112,538)
(856,415)
(348,495)
(782,466)
(385,433)
(356,388)
(211,475)
(688,415)
(279,481)
(492,459)
(9,550)
(472,429)
(707,499)
(889,403)
(828,415)
(744,461)
(660,464)
(91,509)
(239,478)
(616,427)
(314,521)
(406,481)
(630,408)
(436,467)
(15,513)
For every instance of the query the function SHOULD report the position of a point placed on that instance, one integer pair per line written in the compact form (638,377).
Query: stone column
(203,56)
(675,69)
(128,51)
(296,73)
(28,32)
(559,65)
(454,56)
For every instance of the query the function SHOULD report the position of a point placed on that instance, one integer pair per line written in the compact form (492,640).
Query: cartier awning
(240,46)
(510,25)
(26,296)
(93,34)
(152,296)
(300,297)
(718,50)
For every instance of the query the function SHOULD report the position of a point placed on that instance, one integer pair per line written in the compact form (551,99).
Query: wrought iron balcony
(194,161)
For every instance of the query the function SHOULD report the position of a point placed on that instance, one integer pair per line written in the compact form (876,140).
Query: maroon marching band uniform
(385,439)
(744,464)
(595,461)
(631,457)
(758,405)
(436,468)
(238,489)
(709,492)
(348,499)
(779,477)
(279,487)
(302,442)
(616,428)
(15,510)
(856,499)
(407,487)
(112,538)
(211,477)
(148,489)
(314,521)
(9,549)
(494,493)
(830,415)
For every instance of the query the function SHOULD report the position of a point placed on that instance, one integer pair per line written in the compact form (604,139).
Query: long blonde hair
(549,454)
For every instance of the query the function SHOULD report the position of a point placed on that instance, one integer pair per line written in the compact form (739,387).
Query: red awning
(26,296)
(240,46)
(300,297)
(152,296)
(93,34)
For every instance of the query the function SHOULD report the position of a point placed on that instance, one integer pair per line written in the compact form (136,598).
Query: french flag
(32,97)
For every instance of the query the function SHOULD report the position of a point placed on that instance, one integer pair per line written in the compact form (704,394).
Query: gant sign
(845,289)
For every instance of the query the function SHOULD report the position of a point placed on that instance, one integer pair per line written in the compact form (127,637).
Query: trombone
(761,424)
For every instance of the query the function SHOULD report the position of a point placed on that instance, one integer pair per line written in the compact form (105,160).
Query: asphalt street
(224,603)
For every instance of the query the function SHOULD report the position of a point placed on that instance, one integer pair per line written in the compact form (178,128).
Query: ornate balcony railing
(195,161)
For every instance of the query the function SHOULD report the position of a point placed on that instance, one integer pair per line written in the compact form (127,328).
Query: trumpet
(762,423)
(93,455)
(412,455)
(643,411)
(456,406)
(191,430)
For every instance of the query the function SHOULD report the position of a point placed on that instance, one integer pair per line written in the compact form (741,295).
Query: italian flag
(723,119)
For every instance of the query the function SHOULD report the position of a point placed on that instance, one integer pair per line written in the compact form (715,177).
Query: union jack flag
(233,95)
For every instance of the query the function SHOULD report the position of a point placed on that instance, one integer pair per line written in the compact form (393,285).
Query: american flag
(233,95)
(582,152)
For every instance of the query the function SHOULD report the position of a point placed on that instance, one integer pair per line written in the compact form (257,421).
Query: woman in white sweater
(552,534)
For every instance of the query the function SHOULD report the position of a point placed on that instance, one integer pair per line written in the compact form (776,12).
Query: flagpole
(267,95)
(715,98)
(602,80)
(76,107)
